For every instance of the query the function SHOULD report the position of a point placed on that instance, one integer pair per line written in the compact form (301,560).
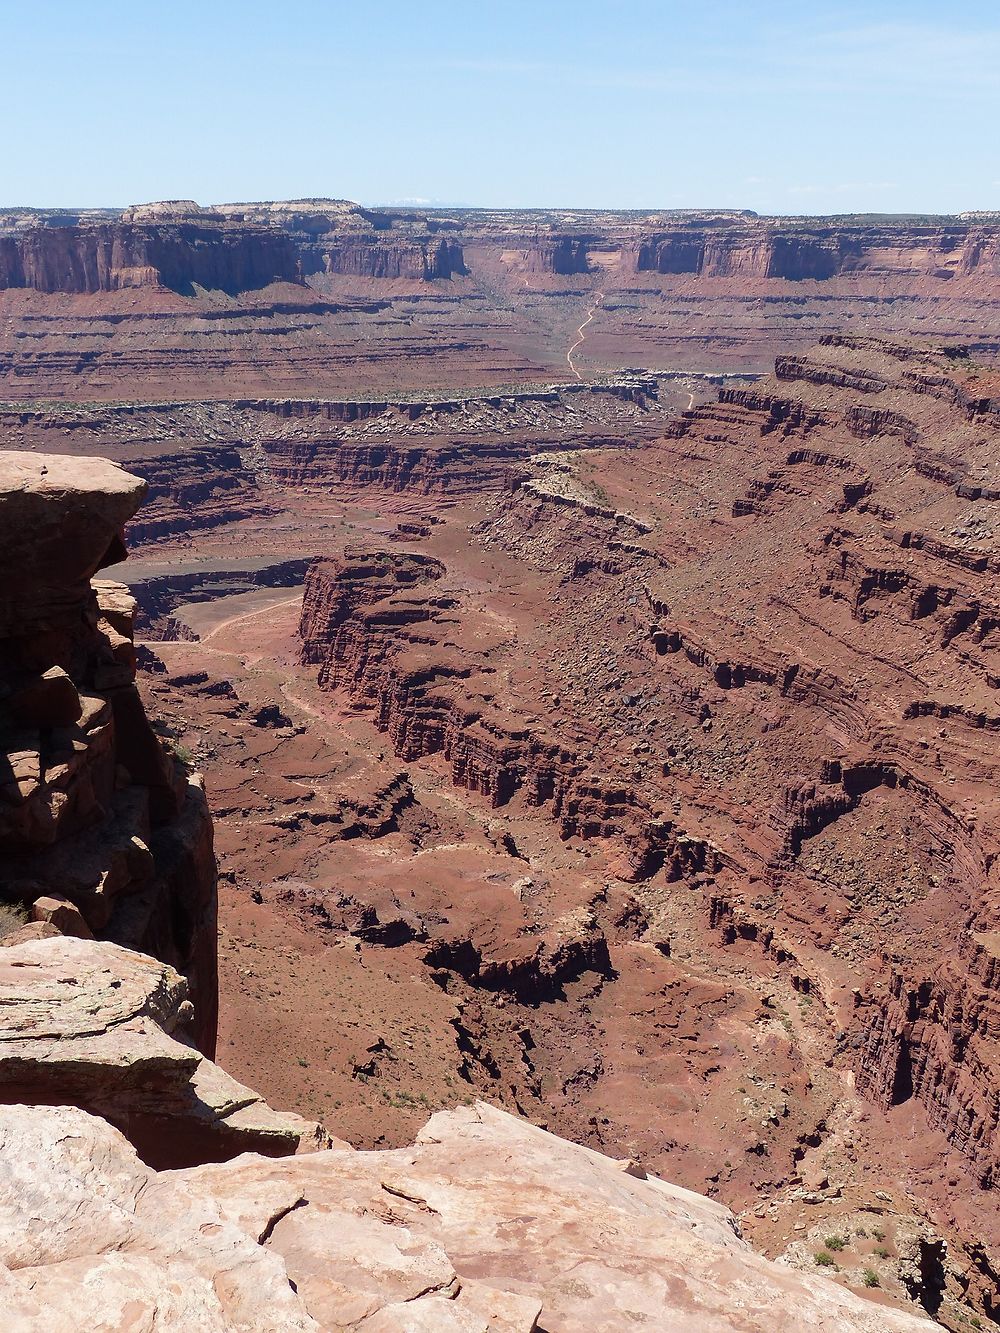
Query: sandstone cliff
(93,807)
(240,247)
(180,256)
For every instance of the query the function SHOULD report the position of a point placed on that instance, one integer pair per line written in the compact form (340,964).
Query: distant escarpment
(802,250)
(238,247)
(200,487)
(103,831)
(180,256)
(326,297)
(449,445)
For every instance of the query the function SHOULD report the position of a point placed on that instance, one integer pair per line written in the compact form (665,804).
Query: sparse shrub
(181,753)
(878,1233)
(882,1251)
(870,1278)
(834,1243)
(12,917)
(824,1259)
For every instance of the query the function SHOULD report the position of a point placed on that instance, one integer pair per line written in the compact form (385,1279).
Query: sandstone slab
(95,1025)
(485,1225)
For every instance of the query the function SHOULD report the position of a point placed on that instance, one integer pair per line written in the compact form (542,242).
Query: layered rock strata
(381,627)
(237,247)
(210,466)
(97,1026)
(320,295)
(884,630)
(769,643)
(180,255)
(92,805)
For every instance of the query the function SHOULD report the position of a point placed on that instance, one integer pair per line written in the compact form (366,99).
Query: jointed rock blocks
(92,806)
(94,1025)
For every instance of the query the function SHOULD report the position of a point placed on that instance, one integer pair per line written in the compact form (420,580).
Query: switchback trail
(580,335)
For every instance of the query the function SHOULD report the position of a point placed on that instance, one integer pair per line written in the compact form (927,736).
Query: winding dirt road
(581,337)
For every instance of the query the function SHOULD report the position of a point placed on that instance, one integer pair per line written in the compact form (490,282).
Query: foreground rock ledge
(100,1027)
(486,1223)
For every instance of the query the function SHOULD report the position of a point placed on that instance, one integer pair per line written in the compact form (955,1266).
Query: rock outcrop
(92,804)
(109,1030)
(485,1224)
(384,627)
(241,246)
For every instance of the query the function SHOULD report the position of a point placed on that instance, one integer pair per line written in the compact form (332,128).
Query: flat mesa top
(53,474)
(60,517)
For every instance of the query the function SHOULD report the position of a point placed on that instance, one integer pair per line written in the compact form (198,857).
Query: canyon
(138,1181)
(599,773)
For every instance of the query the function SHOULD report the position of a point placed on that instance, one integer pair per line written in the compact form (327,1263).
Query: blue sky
(778,106)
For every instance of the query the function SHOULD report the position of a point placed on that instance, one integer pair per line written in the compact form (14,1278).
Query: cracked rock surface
(485,1223)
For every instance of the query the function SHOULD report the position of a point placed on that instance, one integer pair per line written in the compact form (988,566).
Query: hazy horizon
(436,206)
(844,108)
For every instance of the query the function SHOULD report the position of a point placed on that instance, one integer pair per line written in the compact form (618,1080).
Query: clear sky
(780,106)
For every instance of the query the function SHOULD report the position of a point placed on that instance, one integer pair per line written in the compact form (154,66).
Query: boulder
(64,915)
(31,930)
(50,700)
